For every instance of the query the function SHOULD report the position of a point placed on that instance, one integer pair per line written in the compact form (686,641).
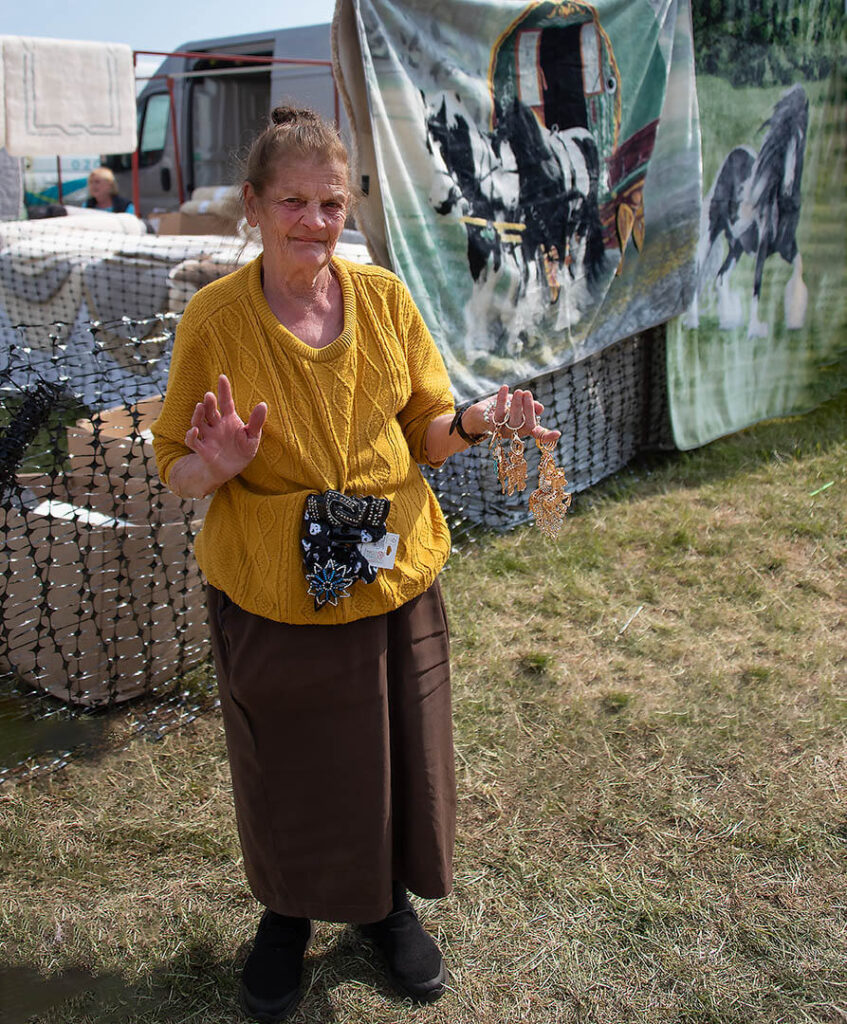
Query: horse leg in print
(777,177)
(587,224)
(796,299)
(730,304)
(718,209)
(796,296)
(580,253)
(727,218)
(494,314)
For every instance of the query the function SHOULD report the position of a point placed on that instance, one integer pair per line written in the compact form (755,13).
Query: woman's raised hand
(523,413)
(220,437)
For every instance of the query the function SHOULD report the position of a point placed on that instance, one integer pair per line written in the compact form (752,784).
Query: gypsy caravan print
(548,193)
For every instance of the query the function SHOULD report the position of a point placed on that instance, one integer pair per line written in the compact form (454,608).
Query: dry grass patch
(650,724)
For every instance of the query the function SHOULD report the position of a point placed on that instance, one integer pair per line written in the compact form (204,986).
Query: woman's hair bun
(293,134)
(291,115)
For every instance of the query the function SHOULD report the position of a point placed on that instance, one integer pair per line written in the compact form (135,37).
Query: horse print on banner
(753,208)
(528,198)
(521,168)
(547,190)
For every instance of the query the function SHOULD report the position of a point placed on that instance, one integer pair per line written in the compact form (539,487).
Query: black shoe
(270,982)
(415,964)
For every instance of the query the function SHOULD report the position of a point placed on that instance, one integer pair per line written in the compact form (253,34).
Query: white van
(220,106)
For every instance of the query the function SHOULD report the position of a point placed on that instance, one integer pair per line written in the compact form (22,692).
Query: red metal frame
(136,189)
(246,58)
(234,58)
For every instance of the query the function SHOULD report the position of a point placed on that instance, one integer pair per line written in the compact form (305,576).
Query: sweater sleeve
(190,376)
(431,394)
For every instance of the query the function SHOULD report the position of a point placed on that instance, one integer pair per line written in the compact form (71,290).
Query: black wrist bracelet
(456,426)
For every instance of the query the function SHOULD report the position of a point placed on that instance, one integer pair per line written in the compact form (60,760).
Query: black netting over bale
(101,600)
(99,591)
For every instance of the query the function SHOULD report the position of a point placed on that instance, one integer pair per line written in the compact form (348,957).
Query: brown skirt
(340,745)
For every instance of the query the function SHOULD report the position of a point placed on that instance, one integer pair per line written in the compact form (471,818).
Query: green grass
(650,729)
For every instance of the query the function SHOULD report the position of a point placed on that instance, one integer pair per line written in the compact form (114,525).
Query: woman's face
(100,188)
(301,215)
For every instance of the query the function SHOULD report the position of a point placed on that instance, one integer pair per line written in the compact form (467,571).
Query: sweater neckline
(281,335)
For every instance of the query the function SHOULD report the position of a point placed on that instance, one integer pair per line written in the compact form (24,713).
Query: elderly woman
(303,392)
(103,193)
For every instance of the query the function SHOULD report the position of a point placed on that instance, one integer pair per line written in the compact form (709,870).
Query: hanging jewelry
(550,501)
(515,463)
(496,446)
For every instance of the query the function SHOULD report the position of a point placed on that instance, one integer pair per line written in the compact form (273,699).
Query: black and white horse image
(475,179)
(478,175)
(528,198)
(753,208)
(559,174)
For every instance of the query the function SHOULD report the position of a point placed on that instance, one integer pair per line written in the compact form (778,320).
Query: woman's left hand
(524,412)
(520,410)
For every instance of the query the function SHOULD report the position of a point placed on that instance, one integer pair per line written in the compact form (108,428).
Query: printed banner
(532,171)
(766,334)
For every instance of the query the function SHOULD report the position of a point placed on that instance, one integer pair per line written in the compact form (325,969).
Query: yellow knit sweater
(352,416)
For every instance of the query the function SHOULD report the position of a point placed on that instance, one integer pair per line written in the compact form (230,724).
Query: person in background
(303,393)
(103,193)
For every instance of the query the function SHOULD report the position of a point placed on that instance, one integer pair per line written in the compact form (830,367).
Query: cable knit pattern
(352,416)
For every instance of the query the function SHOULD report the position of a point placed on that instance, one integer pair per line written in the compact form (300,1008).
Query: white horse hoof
(796,302)
(691,318)
(730,310)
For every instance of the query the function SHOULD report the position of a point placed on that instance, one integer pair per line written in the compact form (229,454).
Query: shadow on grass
(28,996)
(196,986)
(40,733)
(193,987)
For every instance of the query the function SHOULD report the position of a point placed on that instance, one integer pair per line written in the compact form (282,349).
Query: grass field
(650,721)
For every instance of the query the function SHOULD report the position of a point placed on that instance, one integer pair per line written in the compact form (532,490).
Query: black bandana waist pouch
(334,525)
